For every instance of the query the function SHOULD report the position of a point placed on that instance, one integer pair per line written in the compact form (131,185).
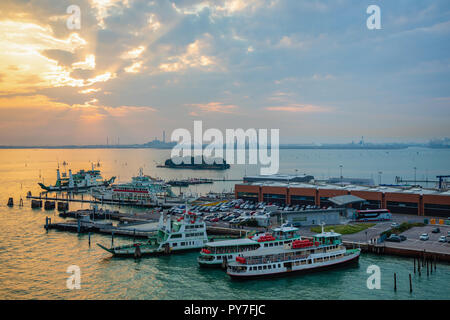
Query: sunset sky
(309,68)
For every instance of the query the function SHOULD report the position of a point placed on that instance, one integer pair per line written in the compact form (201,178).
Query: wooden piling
(431,266)
(89,237)
(395,282)
(410,284)
(418,268)
(414,265)
(112,239)
(428,271)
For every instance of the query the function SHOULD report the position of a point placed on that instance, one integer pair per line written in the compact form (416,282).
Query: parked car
(442,239)
(394,238)
(424,237)
(395,225)
(402,237)
(436,230)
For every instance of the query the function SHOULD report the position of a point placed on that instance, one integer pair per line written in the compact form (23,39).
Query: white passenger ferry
(217,254)
(324,251)
(188,232)
(142,190)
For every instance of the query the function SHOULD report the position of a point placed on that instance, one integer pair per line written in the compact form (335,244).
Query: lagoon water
(33,262)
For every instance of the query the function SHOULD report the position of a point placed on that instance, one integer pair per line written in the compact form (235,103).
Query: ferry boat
(188,232)
(78,181)
(142,190)
(217,254)
(324,251)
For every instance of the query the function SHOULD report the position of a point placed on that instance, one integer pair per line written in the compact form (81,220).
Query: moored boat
(142,190)
(217,254)
(324,251)
(79,181)
(188,232)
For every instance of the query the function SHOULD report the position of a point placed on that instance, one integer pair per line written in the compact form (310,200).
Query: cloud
(193,57)
(299,108)
(215,107)
(134,68)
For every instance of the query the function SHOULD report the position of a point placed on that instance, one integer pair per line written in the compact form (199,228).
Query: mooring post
(46,223)
(431,265)
(395,282)
(89,237)
(428,271)
(78,225)
(112,239)
(435,263)
(410,283)
(418,268)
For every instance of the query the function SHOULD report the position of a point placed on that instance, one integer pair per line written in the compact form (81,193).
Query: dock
(163,204)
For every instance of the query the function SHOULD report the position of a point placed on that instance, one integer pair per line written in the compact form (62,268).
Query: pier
(163,204)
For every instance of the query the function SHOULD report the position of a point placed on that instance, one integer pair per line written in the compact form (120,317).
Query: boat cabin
(328,238)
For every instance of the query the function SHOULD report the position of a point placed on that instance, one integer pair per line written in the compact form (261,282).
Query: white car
(442,239)
(424,237)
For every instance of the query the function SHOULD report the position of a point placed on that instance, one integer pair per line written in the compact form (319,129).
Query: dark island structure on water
(189,163)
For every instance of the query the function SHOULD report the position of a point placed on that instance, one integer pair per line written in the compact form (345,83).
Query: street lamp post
(379,177)
(340,167)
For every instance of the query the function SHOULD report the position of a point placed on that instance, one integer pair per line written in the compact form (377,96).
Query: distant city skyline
(310,68)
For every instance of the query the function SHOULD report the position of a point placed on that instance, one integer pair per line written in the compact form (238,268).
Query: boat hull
(340,264)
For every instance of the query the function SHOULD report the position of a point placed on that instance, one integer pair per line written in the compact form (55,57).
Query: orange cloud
(303,108)
(215,107)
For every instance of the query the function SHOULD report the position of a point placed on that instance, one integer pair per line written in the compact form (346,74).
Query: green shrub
(344,229)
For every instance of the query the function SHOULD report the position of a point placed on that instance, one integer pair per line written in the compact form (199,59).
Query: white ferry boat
(78,181)
(217,254)
(142,190)
(324,251)
(188,232)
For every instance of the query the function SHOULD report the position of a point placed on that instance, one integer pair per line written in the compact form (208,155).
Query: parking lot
(233,212)
(431,245)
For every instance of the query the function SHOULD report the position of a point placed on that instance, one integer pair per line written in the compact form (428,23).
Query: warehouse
(423,202)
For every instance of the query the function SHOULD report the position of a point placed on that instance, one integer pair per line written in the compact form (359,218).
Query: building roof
(345,200)
(383,189)
(233,242)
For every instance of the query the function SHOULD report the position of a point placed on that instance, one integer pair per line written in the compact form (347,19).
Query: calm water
(33,263)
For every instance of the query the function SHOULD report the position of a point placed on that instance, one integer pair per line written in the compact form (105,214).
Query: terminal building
(417,201)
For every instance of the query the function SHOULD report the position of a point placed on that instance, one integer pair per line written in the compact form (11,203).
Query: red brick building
(423,202)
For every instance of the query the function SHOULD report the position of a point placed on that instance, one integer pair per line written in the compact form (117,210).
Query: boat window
(174,244)
(264,267)
(269,266)
(259,268)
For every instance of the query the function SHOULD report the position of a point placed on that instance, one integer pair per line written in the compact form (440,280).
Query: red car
(215,220)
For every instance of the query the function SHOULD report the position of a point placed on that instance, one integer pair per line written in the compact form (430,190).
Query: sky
(310,68)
